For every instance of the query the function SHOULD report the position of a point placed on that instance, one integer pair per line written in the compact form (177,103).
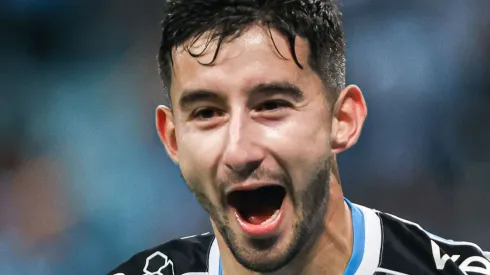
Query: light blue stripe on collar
(220,268)
(359,237)
(358,245)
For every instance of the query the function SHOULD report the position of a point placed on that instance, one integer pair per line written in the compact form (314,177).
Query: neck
(328,253)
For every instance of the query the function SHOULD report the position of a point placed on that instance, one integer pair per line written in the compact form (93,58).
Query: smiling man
(258,111)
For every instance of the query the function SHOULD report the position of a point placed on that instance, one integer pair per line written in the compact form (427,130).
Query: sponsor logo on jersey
(475,264)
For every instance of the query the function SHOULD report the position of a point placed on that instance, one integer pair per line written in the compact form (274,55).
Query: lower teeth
(273,217)
(262,219)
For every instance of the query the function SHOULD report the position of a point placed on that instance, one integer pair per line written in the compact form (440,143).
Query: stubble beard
(310,206)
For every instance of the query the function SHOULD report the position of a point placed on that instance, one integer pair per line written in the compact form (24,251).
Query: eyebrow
(280,88)
(191,97)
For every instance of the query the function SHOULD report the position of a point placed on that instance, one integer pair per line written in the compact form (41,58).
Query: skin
(242,130)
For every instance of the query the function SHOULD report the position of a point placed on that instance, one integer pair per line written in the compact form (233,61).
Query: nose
(243,153)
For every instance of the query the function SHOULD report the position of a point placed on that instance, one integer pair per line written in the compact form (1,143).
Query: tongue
(260,217)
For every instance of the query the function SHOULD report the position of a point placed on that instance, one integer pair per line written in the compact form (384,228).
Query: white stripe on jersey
(188,237)
(389,272)
(372,241)
(214,259)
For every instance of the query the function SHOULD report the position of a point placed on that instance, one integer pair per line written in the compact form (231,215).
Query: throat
(334,248)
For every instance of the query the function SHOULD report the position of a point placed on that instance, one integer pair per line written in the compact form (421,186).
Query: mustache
(260,174)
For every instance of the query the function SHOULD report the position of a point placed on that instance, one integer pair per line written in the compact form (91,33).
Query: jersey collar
(366,244)
(359,231)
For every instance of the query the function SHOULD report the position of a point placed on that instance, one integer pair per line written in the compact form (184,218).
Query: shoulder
(179,256)
(408,241)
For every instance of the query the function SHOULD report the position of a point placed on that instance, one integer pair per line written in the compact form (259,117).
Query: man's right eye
(206,113)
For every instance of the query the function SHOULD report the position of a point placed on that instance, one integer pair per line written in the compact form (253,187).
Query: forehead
(257,56)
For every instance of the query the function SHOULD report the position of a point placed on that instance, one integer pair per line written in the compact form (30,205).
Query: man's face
(252,139)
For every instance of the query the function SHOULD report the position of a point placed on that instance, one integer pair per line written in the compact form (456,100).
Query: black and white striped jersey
(383,245)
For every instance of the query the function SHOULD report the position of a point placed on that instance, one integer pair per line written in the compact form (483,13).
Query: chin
(263,260)
(264,254)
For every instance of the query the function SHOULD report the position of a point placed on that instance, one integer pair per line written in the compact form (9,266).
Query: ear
(166,131)
(349,114)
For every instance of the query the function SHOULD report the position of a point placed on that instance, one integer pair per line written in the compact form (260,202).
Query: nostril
(244,169)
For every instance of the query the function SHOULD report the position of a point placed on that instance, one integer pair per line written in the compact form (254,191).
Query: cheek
(302,147)
(198,156)
(303,140)
(199,149)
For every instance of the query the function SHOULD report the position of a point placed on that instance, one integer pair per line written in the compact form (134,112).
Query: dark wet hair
(317,21)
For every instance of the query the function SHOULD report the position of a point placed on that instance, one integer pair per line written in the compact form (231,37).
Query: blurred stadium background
(85,182)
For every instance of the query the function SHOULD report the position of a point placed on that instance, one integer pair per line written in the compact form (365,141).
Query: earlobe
(349,114)
(166,131)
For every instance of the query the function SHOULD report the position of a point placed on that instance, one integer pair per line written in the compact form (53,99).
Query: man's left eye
(272,105)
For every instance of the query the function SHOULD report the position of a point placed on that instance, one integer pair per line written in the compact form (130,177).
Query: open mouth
(258,206)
